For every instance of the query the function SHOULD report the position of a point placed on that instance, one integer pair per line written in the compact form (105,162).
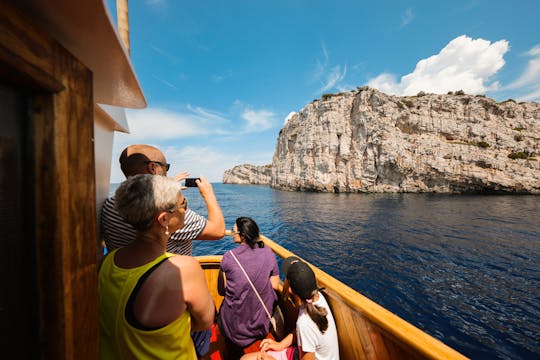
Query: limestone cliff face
(248,174)
(367,141)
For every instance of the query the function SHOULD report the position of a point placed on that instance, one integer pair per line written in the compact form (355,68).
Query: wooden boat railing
(366,330)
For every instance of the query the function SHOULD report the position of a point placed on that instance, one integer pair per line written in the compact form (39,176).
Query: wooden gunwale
(372,331)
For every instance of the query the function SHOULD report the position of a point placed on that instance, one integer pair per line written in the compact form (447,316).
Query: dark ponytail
(249,231)
(317,314)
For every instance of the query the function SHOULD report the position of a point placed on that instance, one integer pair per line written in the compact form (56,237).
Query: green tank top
(118,338)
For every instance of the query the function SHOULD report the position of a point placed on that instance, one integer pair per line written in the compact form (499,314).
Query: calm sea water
(465,269)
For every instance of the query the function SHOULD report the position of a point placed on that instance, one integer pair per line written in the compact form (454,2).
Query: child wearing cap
(316,334)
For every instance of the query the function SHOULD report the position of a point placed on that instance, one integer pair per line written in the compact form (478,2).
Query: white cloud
(173,59)
(220,77)
(255,120)
(291,114)
(329,77)
(464,64)
(207,116)
(529,81)
(172,86)
(203,160)
(407,17)
(208,161)
(160,127)
(333,78)
(153,124)
(258,120)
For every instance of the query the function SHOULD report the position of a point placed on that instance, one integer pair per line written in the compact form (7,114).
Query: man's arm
(215,226)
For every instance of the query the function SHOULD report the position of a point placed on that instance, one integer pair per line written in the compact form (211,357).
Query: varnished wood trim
(26,52)
(393,327)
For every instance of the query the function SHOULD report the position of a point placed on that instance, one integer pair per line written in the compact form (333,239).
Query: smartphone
(190,182)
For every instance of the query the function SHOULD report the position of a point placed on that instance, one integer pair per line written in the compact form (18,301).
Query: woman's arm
(222,283)
(270,344)
(274,280)
(198,300)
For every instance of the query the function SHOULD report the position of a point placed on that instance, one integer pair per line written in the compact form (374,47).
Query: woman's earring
(167,230)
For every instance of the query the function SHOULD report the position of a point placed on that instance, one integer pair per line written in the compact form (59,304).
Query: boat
(365,329)
(65,80)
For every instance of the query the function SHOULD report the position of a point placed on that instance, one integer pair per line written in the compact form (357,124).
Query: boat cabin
(65,78)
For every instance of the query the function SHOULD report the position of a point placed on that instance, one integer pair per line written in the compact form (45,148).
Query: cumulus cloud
(291,114)
(464,64)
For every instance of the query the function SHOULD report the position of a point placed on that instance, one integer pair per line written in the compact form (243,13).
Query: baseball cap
(301,277)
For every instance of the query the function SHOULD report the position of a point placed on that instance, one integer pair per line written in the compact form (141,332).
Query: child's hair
(248,229)
(304,284)
(317,314)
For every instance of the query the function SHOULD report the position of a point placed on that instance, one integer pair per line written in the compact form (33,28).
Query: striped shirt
(117,232)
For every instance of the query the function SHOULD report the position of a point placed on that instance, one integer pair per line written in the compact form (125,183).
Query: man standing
(146,159)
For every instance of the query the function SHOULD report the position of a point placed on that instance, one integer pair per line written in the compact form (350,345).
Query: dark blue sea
(463,268)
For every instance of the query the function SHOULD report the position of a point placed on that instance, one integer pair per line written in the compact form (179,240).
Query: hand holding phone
(191,182)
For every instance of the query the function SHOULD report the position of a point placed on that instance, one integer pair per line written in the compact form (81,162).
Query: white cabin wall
(107,120)
(103,144)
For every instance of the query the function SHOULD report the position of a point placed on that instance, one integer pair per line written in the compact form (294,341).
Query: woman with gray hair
(150,300)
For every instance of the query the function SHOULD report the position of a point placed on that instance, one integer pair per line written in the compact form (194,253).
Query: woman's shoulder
(184,262)
(266,250)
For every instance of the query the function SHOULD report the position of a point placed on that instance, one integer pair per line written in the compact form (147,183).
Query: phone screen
(190,182)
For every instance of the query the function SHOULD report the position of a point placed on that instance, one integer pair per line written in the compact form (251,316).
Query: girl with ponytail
(316,334)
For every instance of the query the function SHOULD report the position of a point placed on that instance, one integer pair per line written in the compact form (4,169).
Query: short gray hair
(141,197)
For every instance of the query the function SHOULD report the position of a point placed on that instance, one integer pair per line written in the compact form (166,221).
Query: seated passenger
(150,300)
(243,319)
(316,334)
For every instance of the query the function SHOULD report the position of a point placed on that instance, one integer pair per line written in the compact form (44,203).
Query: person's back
(309,337)
(243,319)
(123,334)
(150,300)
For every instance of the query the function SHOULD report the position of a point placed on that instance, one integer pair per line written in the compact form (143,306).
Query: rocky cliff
(367,141)
(248,174)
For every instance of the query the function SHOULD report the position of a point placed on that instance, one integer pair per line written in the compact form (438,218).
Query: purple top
(243,317)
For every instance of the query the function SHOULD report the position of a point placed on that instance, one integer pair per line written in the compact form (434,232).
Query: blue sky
(221,77)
